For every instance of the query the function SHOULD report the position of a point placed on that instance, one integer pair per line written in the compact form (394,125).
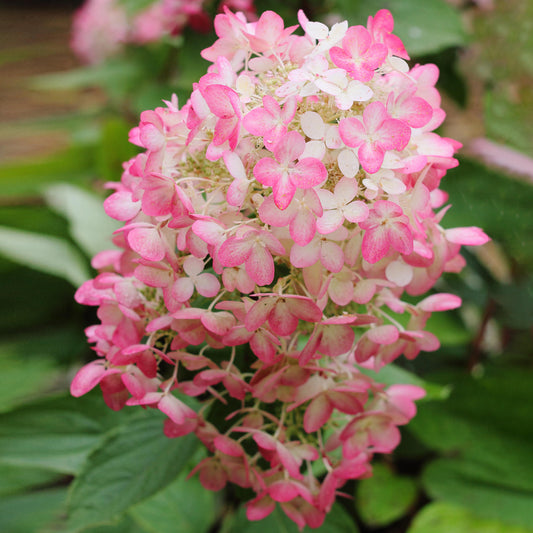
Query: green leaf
(453,481)
(64,343)
(448,329)
(337,521)
(21,379)
(125,524)
(28,177)
(56,433)
(114,147)
(424,27)
(440,517)
(132,464)
(385,497)
(30,513)
(183,506)
(495,202)
(45,253)
(393,375)
(90,227)
(14,479)
(115,72)
(21,311)
(487,425)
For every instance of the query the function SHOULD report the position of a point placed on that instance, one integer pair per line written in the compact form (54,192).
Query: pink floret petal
(273,227)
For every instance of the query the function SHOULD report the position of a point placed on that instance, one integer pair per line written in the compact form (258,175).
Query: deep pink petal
(371,157)
(317,413)
(376,244)
(258,313)
(267,171)
(259,121)
(281,320)
(308,172)
(401,238)
(352,132)
(305,309)
(394,134)
(283,191)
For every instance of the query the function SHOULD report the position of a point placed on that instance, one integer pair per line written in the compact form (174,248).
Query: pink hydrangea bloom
(101,28)
(272,221)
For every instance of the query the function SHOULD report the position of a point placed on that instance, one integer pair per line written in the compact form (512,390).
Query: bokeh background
(465,463)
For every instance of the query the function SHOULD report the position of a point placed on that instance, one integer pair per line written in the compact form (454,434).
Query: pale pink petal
(356,211)
(175,409)
(384,335)
(374,116)
(193,266)
(260,266)
(472,236)
(147,242)
(182,289)
(219,323)
(329,221)
(234,251)
(207,285)
(304,256)
(340,292)
(234,165)
(236,336)
(272,243)
(269,213)
(327,199)
(346,189)
(303,227)
(332,256)
(87,378)
(121,206)
(267,171)
(384,437)
(440,302)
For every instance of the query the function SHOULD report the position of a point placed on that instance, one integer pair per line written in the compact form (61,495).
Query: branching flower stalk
(271,227)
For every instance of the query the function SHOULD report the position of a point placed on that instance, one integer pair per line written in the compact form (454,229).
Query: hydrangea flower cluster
(101,28)
(271,226)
